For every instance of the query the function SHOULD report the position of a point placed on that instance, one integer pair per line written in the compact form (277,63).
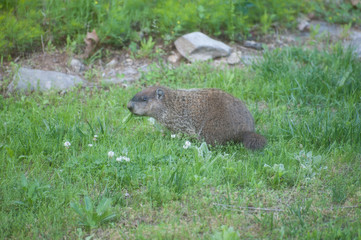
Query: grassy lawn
(304,185)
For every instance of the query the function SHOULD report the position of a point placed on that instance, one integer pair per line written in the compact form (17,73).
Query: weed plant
(71,167)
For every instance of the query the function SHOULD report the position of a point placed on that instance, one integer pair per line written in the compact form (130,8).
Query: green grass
(306,102)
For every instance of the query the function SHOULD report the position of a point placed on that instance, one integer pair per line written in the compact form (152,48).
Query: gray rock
(32,79)
(253,44)
(77,65)
(234,58)
(197,46)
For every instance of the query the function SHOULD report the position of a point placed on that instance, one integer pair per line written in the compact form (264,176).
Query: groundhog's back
(217,116)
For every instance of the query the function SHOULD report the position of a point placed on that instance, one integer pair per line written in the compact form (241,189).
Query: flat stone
(32,79)
(197,46)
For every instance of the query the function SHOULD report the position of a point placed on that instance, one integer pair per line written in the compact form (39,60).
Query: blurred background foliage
(27,25)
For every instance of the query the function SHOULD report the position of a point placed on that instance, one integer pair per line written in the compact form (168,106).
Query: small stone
(303,24)
(77,65)
(253,44)
(197,46)
(129,61)
(234,58)
(174,58)
(112,63)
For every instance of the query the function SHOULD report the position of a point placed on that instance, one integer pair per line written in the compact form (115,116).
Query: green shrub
(19,35)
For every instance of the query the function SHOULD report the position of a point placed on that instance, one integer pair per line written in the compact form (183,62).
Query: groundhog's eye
(145,98)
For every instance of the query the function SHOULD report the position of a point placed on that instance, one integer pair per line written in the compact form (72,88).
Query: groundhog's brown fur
(211,114)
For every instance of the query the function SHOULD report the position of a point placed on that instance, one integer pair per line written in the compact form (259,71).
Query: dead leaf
(91,40)
(355,2)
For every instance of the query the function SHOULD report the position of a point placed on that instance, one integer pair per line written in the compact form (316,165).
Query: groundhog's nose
(130,106)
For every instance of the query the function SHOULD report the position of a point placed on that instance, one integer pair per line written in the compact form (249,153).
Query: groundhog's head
(148,102)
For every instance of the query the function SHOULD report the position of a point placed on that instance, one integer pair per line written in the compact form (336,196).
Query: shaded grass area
(306,102)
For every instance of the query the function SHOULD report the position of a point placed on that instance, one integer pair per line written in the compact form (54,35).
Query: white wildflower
(90,145)
(110,154)
(151,120)
(187,144)
(122,158)
(67,144)
(172,135)
(126,194)
(95,137)
(279,167)
(266,165)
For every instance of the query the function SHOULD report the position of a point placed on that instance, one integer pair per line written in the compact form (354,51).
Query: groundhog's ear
(160,93)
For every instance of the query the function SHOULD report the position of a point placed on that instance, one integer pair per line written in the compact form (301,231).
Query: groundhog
(209,114)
